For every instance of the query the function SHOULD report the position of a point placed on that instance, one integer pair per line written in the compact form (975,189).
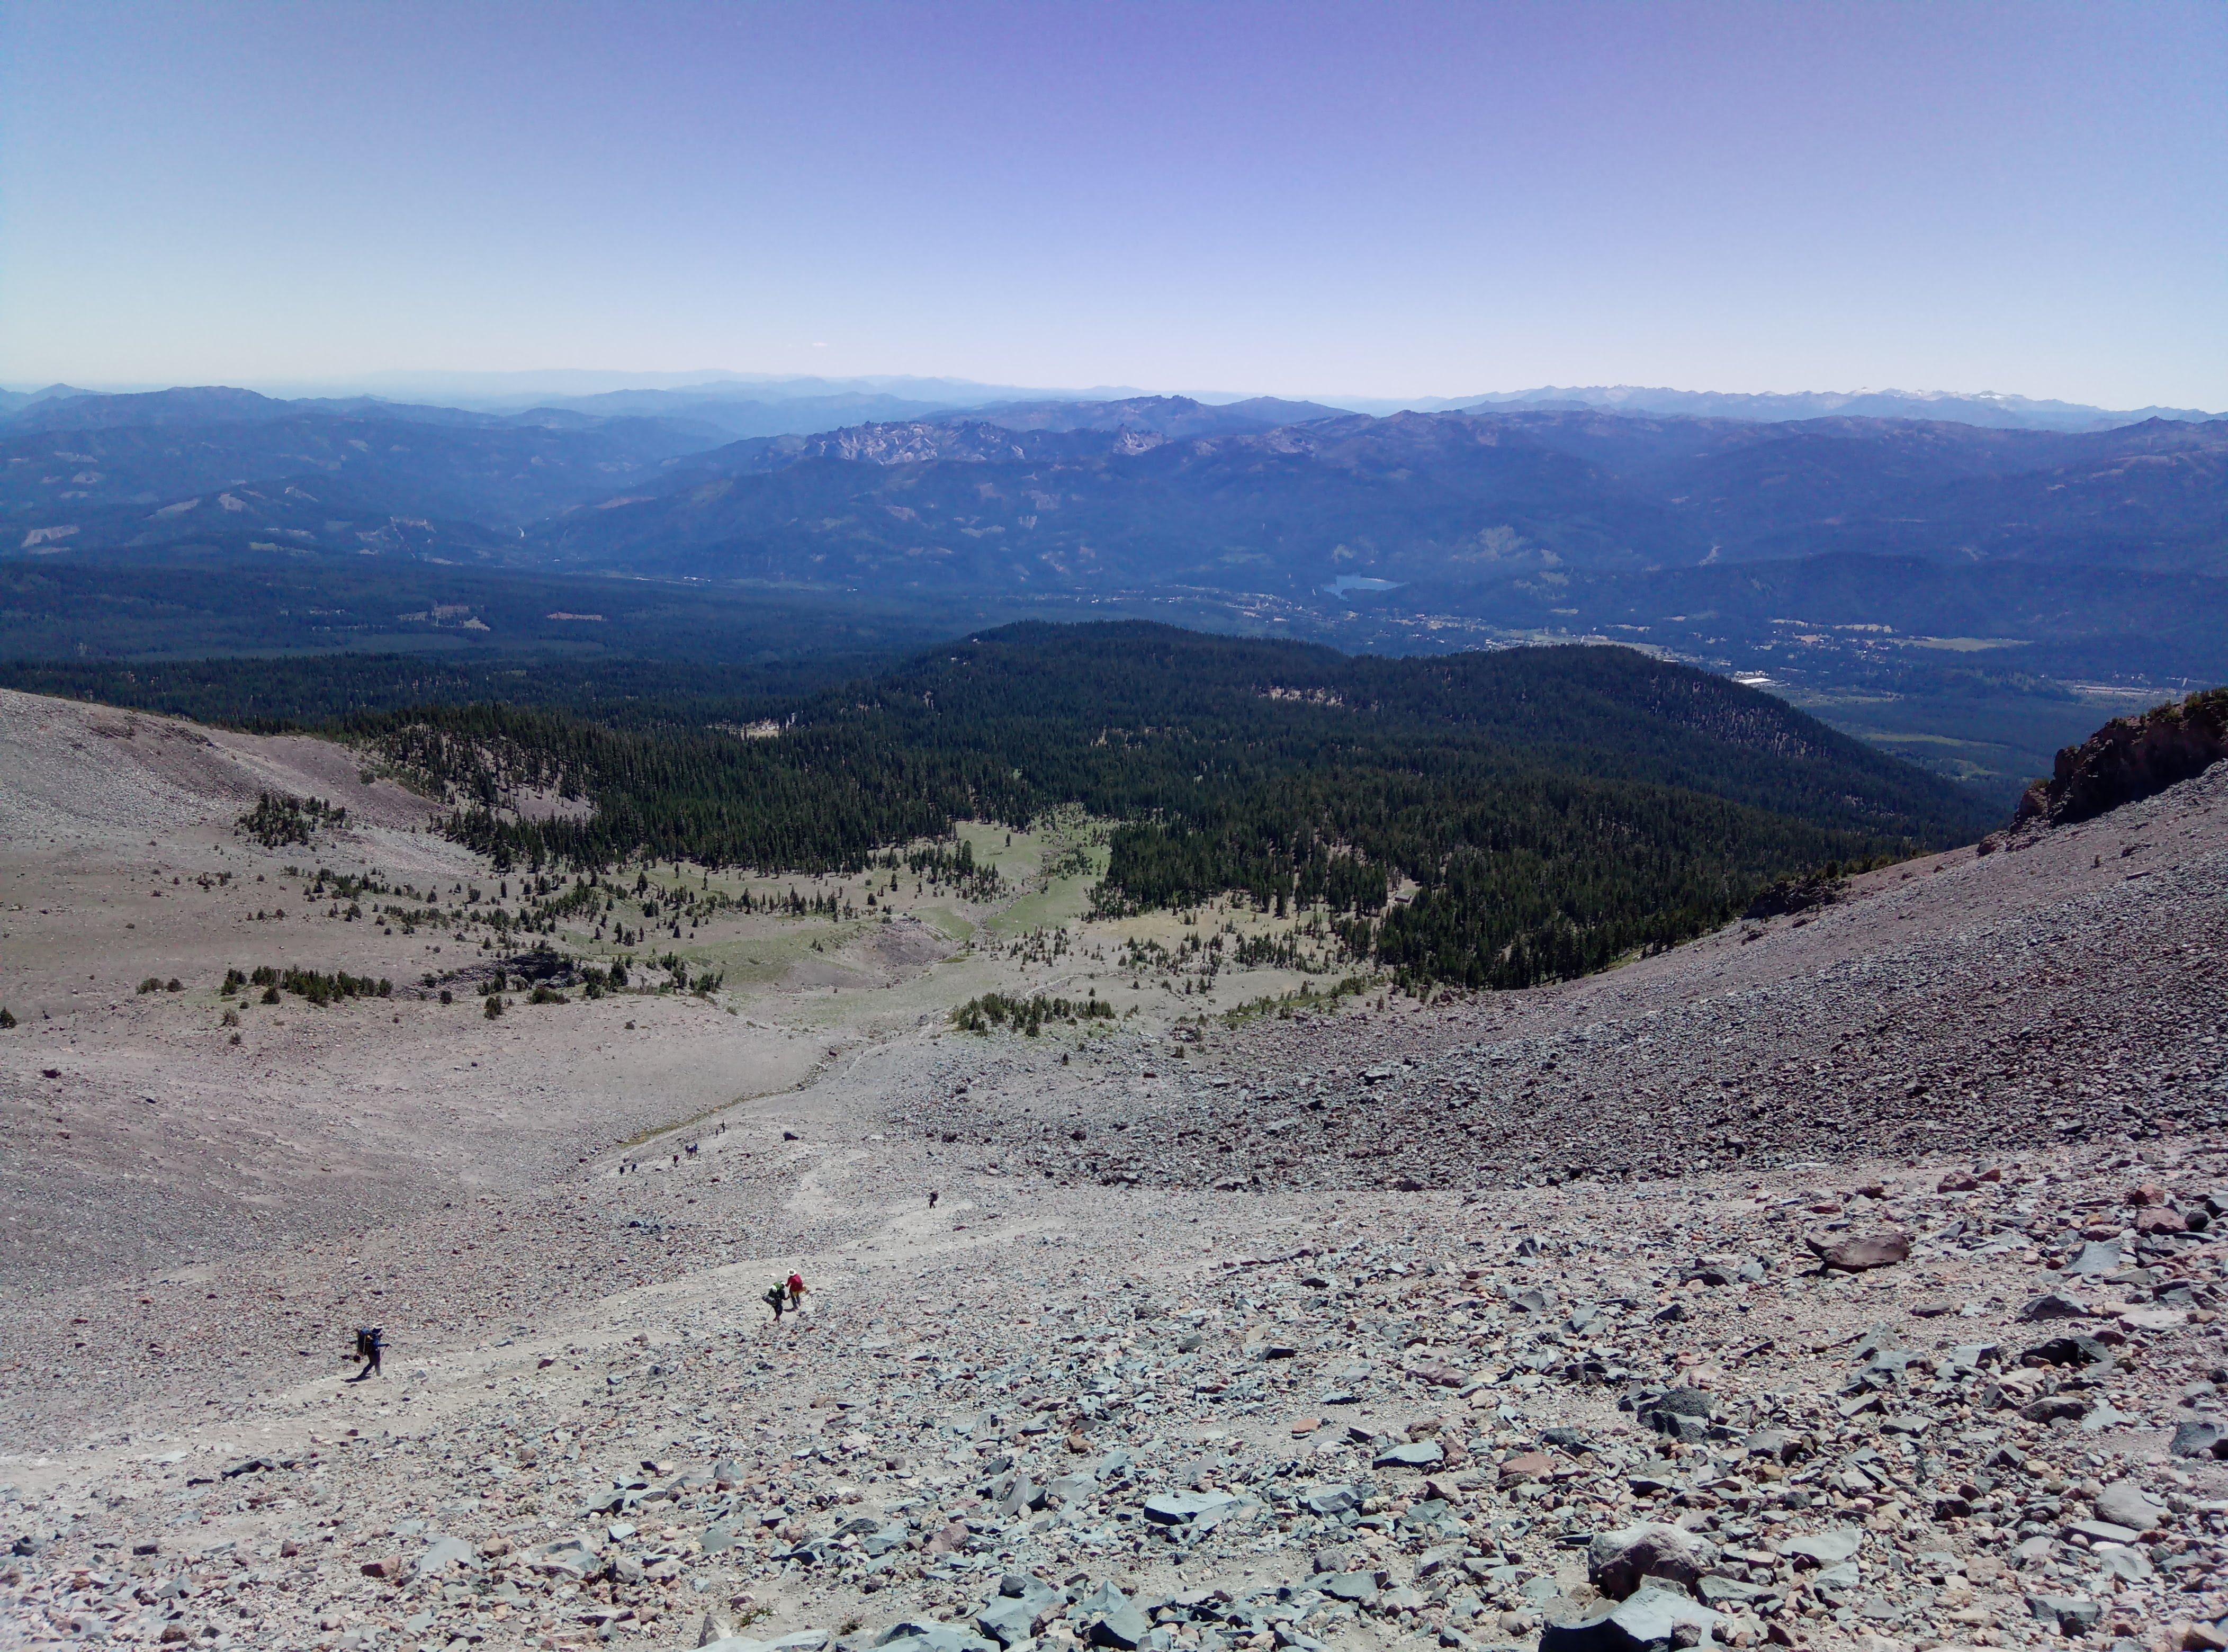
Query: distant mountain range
(95,471)
(1994,412)
(1442,502)
(741,403)
(1260,494)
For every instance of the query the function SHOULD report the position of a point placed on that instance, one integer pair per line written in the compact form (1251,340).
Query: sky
(1371,199)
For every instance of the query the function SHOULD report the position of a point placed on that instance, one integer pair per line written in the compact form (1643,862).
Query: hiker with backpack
(370,1343)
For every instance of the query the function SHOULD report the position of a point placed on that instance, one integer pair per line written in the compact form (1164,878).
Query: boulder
(1827,1549)
(2051,1305)
(1330,1500)
(570,1559)
(1415,1454)
(1526,1465)
(2070,1614)
(2198,1437)
(443,1552)
(1853,1252)
(1182,1507)
(2097,1256)
(1109,1619)
(2125,1503)
(1652,1620)
(2074,1350)
(1682,1414)
(1617,1561)
(1008,1622)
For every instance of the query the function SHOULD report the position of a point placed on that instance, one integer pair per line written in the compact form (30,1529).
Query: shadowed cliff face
(2131,757)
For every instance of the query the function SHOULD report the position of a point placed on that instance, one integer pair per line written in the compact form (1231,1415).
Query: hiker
(797,1293)
(370,1343)
(931,1199)
(776,1299)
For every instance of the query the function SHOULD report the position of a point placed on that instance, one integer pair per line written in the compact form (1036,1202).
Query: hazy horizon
(467,386)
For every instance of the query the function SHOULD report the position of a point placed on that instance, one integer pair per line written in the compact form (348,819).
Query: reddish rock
(1856,1252)
(2161,1221)
(1436,1372)
(1527,1465)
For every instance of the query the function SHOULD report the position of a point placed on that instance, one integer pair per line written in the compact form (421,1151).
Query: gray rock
(2101,1531)
(2124,1503)
(573,1559)
(2127,1565)
(1967,1358)
(1650,1622)
(2067,1614)
(1007,1622)
(2198,1437)
(2052,1306)
(442,1553)
(879,1542)
(1837,1580)
(1775,1443)
(1181,1507)
(1350,1585)
(1415,1454)
(2097,1256)
(1072,1488)
(1685,1402)
(2069,1350)
(1827,1548)
(719,1537)
(1331,1499)
(1339,1557)
(1618,1562)
(1109,1619)
(916,1637)
(1717,1591)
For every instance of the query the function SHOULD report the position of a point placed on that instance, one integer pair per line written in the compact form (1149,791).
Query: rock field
(1849,1279)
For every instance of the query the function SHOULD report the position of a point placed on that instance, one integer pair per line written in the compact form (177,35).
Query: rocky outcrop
(2129,758)
(1798,893)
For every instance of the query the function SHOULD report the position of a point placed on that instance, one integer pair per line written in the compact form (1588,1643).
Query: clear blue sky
(1374,198)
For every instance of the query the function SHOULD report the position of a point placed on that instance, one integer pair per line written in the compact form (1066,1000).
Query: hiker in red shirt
(796,1293)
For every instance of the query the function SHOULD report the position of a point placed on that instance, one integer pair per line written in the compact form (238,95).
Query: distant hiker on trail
(776,1299)
(797,1293)
(370,1343)
(931,1199)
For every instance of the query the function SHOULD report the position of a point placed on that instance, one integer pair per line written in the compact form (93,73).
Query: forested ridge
(1493,819)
